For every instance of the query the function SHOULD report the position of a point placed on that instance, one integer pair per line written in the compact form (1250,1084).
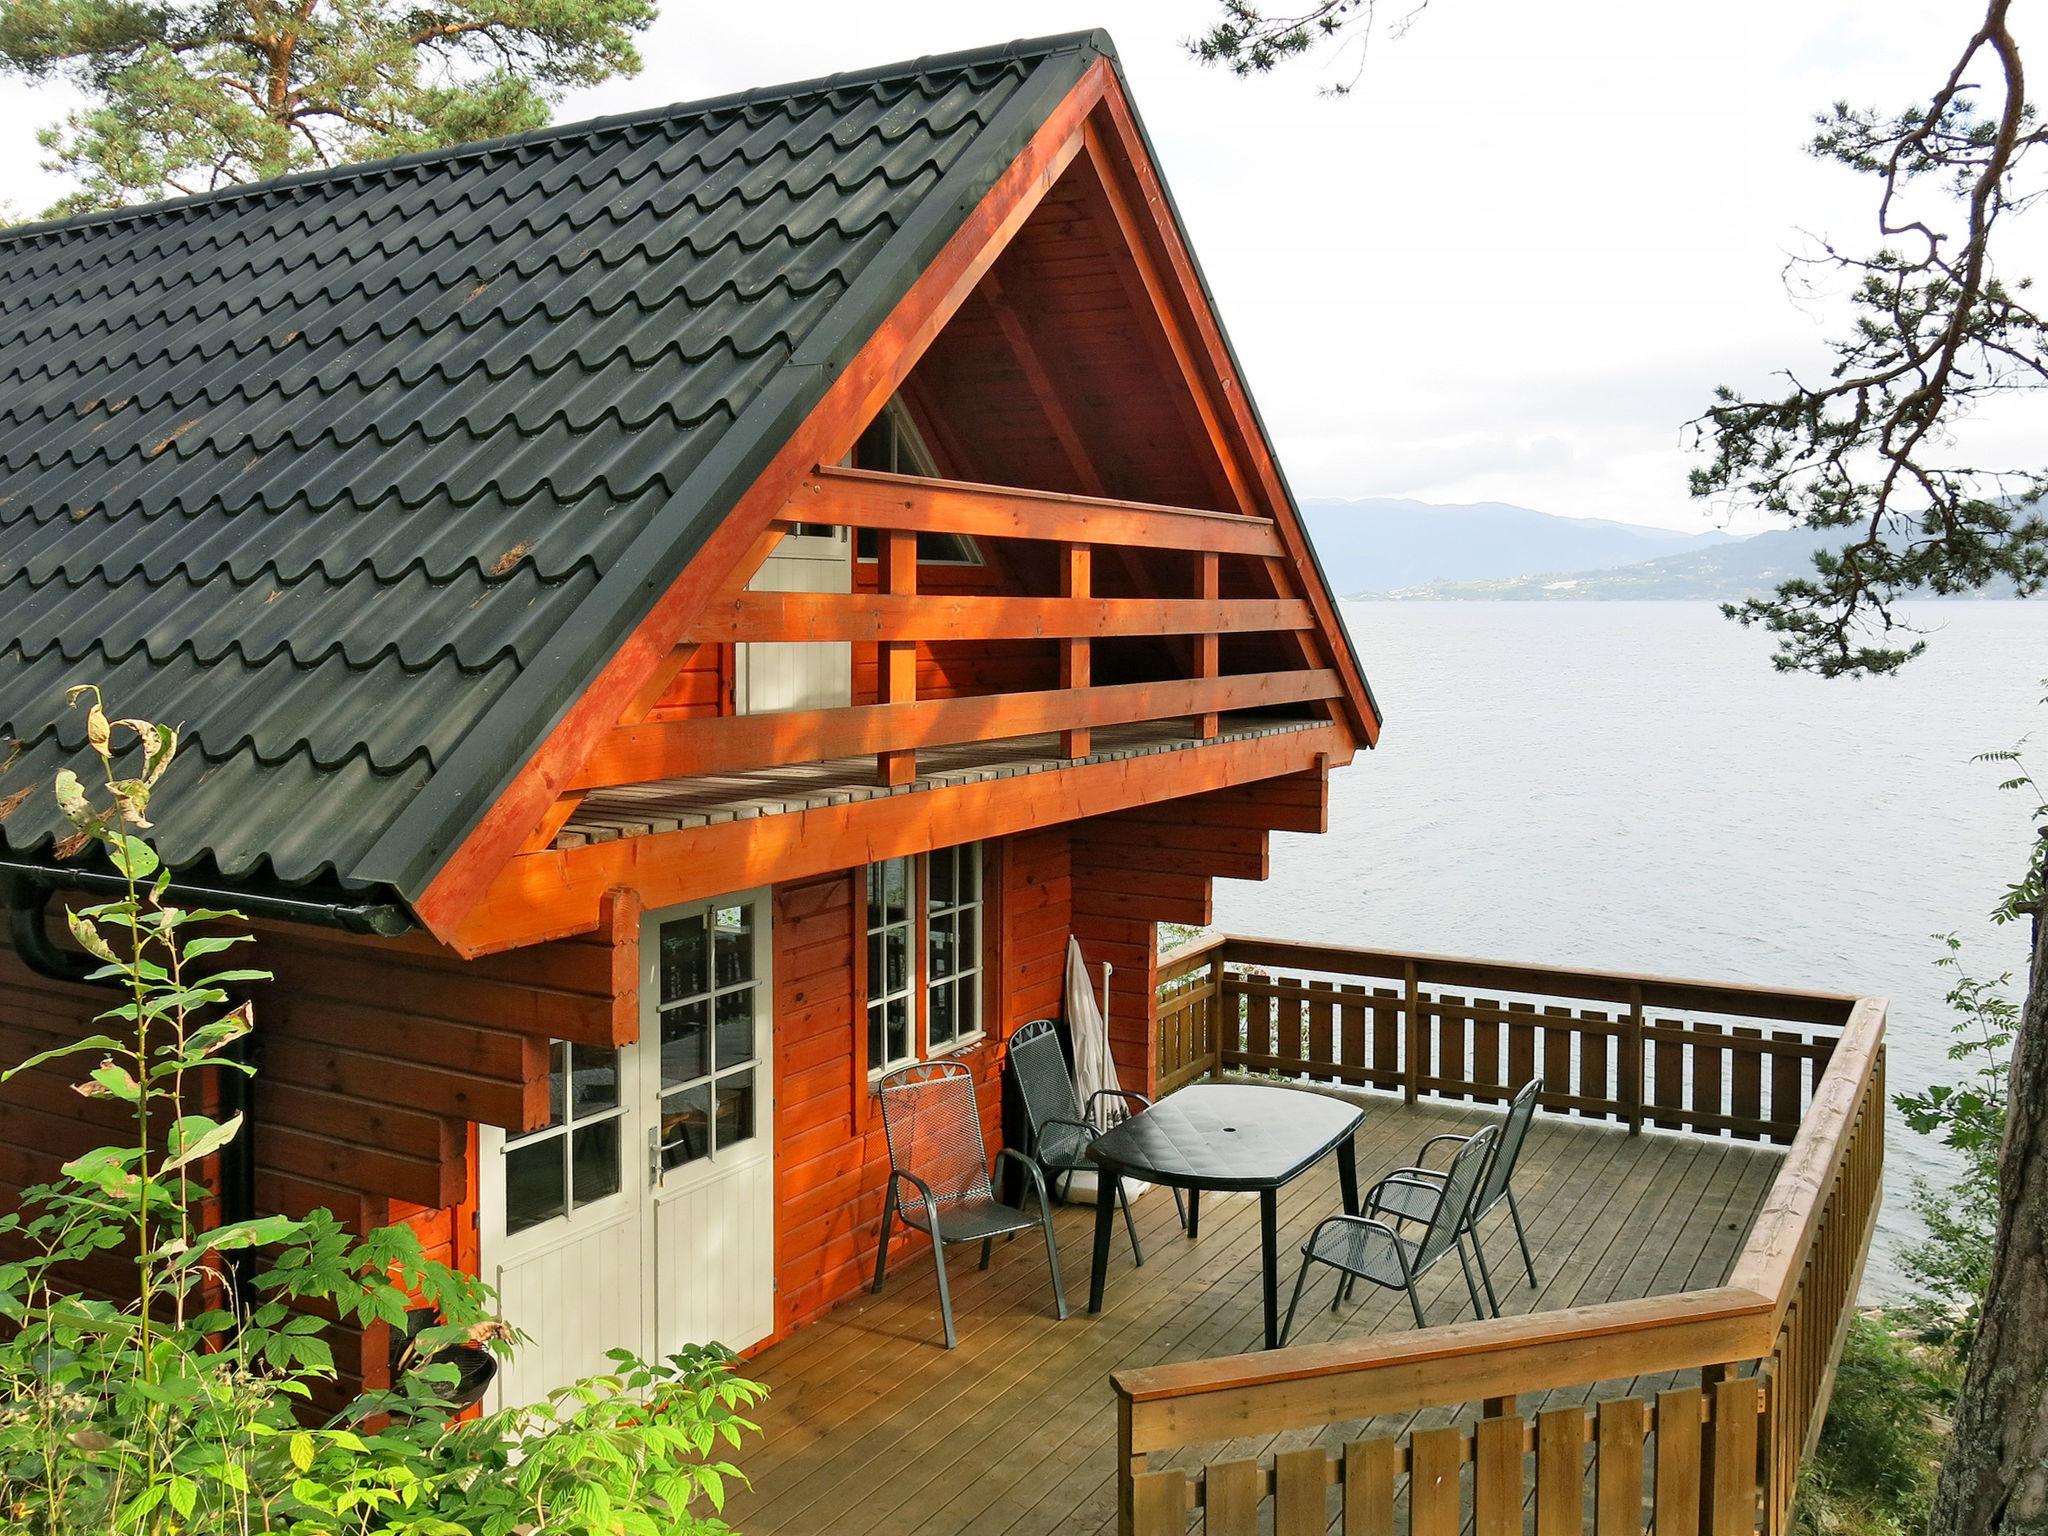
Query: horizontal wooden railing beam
(1791,1005)
(681,749)
(861,498)
(752,617)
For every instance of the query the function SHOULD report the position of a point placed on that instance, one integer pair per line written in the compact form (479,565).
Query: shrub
(1872,1474)
(186,1406)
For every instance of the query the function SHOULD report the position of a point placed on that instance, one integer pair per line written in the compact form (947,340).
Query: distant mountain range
(1724,572)
(1384,545)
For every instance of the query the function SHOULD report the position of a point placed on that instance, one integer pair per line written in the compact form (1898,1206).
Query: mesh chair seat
(1368,1249)
(967,1218)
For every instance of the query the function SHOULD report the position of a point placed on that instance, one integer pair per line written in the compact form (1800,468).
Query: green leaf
(184,1496)
(302,1451)
(89,1043)
(137,860)
(113,1082)
(195,1136)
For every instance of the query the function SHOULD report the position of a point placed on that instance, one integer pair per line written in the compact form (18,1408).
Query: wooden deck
(873,1428)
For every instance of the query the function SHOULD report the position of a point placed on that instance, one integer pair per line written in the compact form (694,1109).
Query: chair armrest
(1409,1175)
(924,1190)
(1444,1137)
(1030,1167)
(1426,1185)
(1127,1095)
(1378,1229)
(1086,1128)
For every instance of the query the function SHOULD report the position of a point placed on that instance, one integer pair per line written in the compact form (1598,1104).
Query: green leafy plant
(1872,1474)
(186,1403)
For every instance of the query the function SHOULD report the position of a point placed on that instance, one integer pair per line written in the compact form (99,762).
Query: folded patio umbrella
(1094,1068)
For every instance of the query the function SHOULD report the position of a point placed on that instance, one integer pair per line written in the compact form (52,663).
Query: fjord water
(1631,786)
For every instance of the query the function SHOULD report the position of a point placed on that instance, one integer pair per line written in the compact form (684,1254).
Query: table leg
(1194,1214)
(1107,1186)
(1269,1251)
(1347,1173)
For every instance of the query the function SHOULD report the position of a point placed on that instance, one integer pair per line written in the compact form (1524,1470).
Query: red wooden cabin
(674,615)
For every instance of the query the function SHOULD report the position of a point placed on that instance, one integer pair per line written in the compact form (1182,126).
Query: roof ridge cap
(754,96)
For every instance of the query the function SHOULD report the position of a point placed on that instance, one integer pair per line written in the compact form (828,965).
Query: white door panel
(772,675)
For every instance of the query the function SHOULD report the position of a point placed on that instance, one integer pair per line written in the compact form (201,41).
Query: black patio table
(1225,1136)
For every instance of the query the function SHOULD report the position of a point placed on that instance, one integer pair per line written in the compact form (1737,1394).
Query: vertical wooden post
(1411,1063)
(1219,1020)
(1128,1466)
(1076,659)
(896,660)
(1208,584)
(1632,1061)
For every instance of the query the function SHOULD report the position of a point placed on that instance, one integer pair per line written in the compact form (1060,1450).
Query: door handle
(654,1156)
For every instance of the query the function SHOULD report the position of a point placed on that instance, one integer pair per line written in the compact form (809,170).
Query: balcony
(1700,1192)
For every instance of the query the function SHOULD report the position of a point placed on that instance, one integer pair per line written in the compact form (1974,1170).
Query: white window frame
(915,923)
(968,901)
(575,1215)
(759,987)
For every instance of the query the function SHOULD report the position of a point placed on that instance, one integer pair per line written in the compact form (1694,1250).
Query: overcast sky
(1508,266)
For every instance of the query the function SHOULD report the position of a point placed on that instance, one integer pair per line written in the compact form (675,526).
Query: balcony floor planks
(873,1427)
(672,805)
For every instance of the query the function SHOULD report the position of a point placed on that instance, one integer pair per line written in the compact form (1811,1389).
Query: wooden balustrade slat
(1593,1055)
(1521,1042)
(1370,1468)
(1560,1471)
(1787,1078)
(1386,1035)
(1449,1068)
(1301,1503)
(1734,1470)
(1497,1477)
(1557,1051)
(1352,1013)
(1159,1503)
(1746,1080)
(1707,1061)
(1486,1064)
(1322,1002)
(1677,1494)
(1231,1493)
(1668,1083)
(1434,1459)
(1618,1474)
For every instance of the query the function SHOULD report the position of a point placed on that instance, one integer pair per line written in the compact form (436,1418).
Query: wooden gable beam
(1116,151)
(854,398)
(867,498)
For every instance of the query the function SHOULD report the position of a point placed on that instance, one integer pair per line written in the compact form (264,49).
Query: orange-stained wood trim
(800,616)
(1077,574)
(1117,150)
(827,434)
(685,749)
(552,895)
(896,660)
(868,498)
(1208,583)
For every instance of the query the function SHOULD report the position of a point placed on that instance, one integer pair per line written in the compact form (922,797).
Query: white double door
(643,1215)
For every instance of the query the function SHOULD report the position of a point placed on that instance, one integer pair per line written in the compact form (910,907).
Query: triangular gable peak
(1137,560)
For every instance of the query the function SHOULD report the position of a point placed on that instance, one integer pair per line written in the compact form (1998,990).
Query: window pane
(939,958)
(683,968)
(733,946)
(533,1184)
(968,926)
(967,1019)
(682,1045)
(899,1028)
(596,1080)
(895,959)
(940,878)
(736,1108)
(735,1028)
(877,1054)
(685,1126)
(939,1021)
(878,975)
(594,1160)
(896,887)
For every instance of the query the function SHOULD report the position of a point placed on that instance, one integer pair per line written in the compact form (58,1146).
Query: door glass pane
(736,1108)
(534,1185)
(940,878)
(733,942)
(877,1047)
(735,1017)
(594,1160)
(684,966)
(682,1045)
(596,1086)
(686,1126)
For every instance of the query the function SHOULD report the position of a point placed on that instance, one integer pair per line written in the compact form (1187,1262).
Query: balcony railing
(1718,1453)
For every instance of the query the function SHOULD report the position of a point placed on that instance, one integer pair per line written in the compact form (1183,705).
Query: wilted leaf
(89,938)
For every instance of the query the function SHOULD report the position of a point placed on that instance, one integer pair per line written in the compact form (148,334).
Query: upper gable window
(892,444)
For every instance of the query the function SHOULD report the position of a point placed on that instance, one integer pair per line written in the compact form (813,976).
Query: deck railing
(1719,1458)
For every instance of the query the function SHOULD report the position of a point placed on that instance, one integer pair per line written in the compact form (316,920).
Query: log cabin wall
(374,1058)
(831,1160)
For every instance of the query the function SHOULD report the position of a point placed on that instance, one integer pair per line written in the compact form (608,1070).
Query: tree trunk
(1995,1478)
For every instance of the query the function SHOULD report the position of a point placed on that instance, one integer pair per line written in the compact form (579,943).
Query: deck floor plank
(873,1428)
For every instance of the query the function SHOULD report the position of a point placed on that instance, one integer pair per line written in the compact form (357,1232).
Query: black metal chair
(1409,1202)
(933,1127)
(1367,1248)
(1060,1127)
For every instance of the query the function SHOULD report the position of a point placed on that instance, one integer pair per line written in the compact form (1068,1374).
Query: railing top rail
(1191,956)
(1803,1005)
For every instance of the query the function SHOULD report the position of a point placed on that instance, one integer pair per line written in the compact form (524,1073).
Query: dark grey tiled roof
(362,474)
